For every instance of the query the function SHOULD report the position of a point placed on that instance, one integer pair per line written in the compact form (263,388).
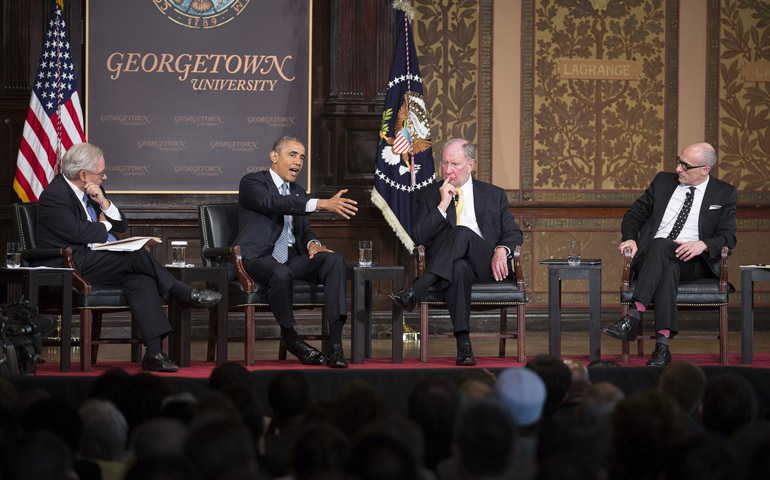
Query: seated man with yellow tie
(469,235)
(278,246)
(67,217)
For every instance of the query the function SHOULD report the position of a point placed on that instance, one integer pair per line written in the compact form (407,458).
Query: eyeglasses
(686,166)
(102,175)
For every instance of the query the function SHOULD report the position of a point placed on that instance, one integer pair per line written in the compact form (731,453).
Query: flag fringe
(392,220)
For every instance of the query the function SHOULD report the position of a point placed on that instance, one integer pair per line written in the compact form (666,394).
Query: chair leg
(325,342)
(96,334)
(640,339)
(211,348)
(136,348)
(625,349)
(248,334)
(85,340)
(281,351)
(723,335)
(521,334)
(503,331)
(423,333)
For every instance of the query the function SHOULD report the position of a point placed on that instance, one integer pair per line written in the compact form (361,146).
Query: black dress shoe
(304,352)
(406,299)
(336,357)
(660,357)
(158,363)
(623,329)
(204,298)
(465,356)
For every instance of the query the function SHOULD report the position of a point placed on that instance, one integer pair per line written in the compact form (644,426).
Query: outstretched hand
(344,207)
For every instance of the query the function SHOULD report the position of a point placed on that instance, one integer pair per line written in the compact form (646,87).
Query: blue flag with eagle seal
(404,156)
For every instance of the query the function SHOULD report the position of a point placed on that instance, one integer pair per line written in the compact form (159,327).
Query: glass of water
(573,252)
(178,248)
(13,254)
(365,253)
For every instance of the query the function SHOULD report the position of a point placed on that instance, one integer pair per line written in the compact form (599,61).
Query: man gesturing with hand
(469,235)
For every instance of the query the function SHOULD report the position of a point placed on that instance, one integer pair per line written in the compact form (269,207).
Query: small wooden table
(558,270)
(749,275)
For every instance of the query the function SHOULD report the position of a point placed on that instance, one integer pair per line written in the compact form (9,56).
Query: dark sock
(634,313)
(181,291)
(660,338)
(423,283)
(335,332)
(153,346)
(289,334)
(462,337)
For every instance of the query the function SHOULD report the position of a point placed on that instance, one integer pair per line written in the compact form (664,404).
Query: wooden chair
(89,301)
(484,296)
(700,294)
(218,229)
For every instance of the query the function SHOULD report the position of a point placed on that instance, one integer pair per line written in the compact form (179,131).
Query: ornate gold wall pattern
(744,106)
(600,135)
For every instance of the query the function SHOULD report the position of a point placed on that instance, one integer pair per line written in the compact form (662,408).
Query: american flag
(54,119)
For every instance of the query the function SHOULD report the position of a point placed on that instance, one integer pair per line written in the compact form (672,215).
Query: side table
(558,270)
(181,335)
(361,293)
(32,278)
(749,275)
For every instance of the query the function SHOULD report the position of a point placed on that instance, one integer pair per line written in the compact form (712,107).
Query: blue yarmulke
(523,392)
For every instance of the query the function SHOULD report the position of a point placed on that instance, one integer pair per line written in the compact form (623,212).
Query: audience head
(485,436)
(38,454)
(162,468)
(476,384)
(229,373)
(598,402)
(159,437)
(523,392)
(380,455)
(56,416)
(320,447)
(579,380)
(704,457)
(647,429)
(105,431)
(357,405)
(729,403)
(220,446)
(433,403)
(289,394)
(556,376)
(685,382)
(248,406)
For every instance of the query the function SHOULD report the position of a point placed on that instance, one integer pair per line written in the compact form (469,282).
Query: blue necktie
(281,248)
(94,217)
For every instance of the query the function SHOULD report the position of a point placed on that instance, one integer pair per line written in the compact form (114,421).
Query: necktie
(94,217)
(682,217)
(459,205)
(281,248)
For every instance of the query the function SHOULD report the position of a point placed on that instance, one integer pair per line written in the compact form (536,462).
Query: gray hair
(82,156)
(469,149)
(282,141)
(105,430)
(708,156)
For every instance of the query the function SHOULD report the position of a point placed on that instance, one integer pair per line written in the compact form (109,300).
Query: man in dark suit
(278,246)
(675,231)
(469,234)
(66,217)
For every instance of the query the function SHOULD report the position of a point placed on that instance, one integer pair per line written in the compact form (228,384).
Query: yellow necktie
(459,205)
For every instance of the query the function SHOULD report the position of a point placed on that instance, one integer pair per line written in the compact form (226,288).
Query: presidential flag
(404,156)
(54,119)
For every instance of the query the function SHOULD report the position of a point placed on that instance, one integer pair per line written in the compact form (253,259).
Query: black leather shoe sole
(159,363)
(402,303)
(306,354)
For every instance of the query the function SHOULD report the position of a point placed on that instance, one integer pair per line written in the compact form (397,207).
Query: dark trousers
(658,275)
(461,258)
(143,281)
(278,278)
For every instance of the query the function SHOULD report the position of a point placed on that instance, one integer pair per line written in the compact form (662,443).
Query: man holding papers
(67,217)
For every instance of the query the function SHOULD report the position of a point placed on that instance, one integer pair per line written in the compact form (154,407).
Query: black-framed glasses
(687,166)
(102,175)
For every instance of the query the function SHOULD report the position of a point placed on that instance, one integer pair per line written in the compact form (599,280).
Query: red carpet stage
(393,381)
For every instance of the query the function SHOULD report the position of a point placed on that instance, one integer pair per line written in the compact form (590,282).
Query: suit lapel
(708,198)
(479,205)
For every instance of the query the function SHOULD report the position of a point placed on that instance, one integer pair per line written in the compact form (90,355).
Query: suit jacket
(492,215)
(260,215)
(63,222)
(716,220)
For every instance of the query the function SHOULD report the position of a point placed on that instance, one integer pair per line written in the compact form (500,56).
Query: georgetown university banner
(404,155)
(187,96)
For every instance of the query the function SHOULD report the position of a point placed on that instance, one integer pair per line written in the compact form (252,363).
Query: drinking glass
(365,253)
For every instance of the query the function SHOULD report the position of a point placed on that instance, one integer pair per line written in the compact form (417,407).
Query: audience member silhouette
(476,384)
(221,446)
(704,457)
(158,437)
(378,454)
(40,454)
(229,373)
(165,467)
(751,447)
(685,382)
(556,377)
(104,438)
(320,447)
(729,403)
(598,402)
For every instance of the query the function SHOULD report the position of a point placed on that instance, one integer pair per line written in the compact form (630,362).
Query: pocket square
(715,207)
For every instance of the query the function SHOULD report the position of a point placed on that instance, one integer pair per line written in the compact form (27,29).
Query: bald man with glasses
(675,231)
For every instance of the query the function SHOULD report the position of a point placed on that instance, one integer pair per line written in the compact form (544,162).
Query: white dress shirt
(689,231)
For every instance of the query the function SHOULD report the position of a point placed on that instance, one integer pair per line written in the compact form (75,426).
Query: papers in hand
(127,244)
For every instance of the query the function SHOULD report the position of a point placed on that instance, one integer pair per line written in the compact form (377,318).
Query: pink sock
(665,332)
(639,306)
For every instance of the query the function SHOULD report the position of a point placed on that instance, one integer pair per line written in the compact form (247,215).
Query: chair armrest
(625,283)
(41,253)
(723,273)
(420,259)
(517,268)
(80,283)
(211,252)
(240,272)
